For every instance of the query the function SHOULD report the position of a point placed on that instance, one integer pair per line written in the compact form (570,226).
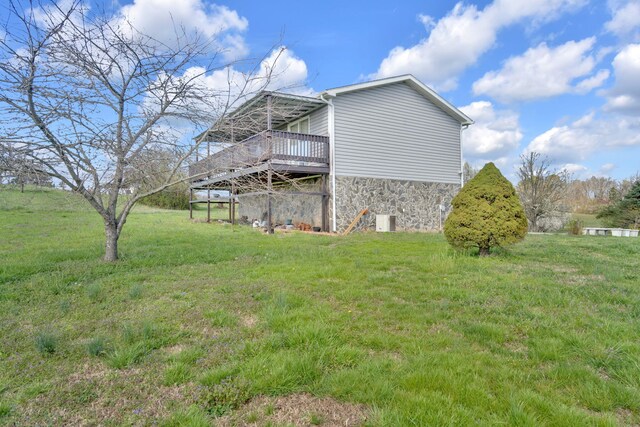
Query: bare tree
(541,190)
(89,98)
(468,172)
(17,168)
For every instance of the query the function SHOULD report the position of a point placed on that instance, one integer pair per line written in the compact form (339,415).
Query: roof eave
(416,84)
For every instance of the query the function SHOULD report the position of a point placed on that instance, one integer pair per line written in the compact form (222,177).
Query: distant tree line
(16,168)
(549,195)
(593,194)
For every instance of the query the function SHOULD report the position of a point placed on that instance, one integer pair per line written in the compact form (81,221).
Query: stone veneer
(298,208)
(415,204)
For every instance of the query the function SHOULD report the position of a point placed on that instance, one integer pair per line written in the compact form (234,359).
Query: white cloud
(228,87)
(574,168)
(625,94)
(606,168)
(625,22)
(281,70)
(590,83)
(577,141)
(543,72)
(457,40)
(163,19)
(169,22)
(494,136)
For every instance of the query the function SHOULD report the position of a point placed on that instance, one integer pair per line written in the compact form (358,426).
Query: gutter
(332,155)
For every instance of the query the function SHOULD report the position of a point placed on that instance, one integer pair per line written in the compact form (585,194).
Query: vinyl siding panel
(318,124)
(394,132)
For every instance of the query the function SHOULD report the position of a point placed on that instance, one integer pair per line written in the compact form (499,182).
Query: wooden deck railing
(267,145)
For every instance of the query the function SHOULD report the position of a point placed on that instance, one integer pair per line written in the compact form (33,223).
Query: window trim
(297,122)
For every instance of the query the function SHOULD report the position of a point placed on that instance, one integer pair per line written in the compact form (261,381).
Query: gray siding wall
(318,124)
(394,132)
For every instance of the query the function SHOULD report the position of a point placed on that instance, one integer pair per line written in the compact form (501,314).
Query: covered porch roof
(266,110)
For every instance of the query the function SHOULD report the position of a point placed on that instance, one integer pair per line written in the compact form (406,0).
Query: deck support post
(208,205)
(232,202)
(269,191)
(269,107)
(325,199)
(190,204)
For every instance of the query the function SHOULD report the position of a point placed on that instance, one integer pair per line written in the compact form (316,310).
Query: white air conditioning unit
(385,223)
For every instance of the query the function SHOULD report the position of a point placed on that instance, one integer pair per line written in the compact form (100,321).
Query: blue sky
(559,77)
(505,78)
(548,76)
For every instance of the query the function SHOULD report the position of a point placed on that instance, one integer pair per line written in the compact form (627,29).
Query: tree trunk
(484,251)
(111,242)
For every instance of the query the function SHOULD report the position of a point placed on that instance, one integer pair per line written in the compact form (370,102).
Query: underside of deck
(281,172)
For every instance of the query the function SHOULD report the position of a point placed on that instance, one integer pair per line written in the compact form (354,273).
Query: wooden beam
(288,193)
(231,205)
(234,191)
(208,205)
(269,105)
(325,223)
(362,213)
(270,190)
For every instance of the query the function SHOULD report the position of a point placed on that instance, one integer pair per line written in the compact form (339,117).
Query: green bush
(575,227)
(176,197)
(486,213)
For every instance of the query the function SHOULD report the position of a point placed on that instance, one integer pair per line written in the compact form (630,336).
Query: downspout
(462,127)
(332,156)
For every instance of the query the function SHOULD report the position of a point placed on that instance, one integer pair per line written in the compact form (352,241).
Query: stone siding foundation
(415,204)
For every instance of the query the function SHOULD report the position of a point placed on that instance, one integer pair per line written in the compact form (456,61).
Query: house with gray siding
(392,146)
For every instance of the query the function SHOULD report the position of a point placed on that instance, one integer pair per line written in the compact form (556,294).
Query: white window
(300,126)
(298,147)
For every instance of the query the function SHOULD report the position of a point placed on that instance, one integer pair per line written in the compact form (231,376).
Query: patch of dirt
(441,328)
(176,349)
(626,417)
(516,346)
(249,321)
(563,269)
(583,280)
(88,372)
(98,396)
(603,374)
(300,410)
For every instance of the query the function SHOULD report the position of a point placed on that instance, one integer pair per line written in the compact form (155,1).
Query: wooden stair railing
(362,213)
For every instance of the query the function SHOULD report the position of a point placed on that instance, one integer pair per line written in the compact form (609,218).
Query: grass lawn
(198,322)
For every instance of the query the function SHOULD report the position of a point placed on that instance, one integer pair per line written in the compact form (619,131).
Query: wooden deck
(294,152)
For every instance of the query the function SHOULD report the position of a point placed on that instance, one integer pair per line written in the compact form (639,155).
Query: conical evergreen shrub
(486,213)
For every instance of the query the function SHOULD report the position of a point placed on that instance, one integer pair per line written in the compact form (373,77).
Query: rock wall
(298,208)
(415,204)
